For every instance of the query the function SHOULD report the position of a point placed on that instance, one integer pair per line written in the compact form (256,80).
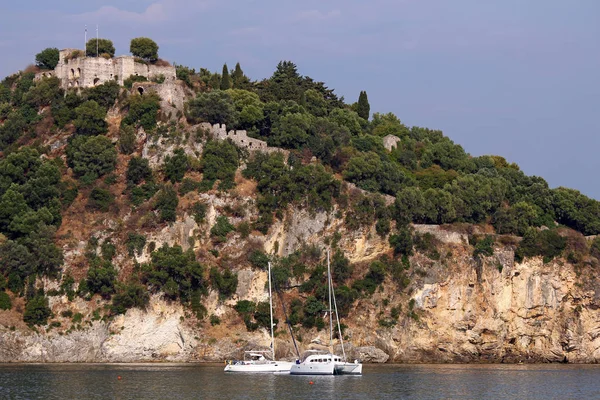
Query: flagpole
(96,40)
(85,42)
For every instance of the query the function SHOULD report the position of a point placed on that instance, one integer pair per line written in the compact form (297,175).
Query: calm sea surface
(185,381)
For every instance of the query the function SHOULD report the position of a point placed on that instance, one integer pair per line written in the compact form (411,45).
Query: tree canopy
(144,48)
(98,47)
(47,58)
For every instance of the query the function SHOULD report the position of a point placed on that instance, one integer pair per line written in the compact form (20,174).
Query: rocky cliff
(455,309)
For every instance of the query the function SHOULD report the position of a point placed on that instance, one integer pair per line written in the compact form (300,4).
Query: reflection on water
(193,381)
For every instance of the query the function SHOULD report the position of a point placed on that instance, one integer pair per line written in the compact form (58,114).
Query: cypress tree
(364,109)
(237,76)
(225,79)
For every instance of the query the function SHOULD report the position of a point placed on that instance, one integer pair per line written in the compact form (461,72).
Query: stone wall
(92,71)
(390,142)
(240,138)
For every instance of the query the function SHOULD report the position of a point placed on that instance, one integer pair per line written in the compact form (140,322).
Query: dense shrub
(166,203)
(105,95)
(220,160)
(402,242)
(37,311)
(90,119)
(129,296)
(5,303)
(546,243)
(259,259)
(142,110)
(135,243)
(374,277)
(312,313)
(101,199)
(174,272)
(138,170)
(225,283)
(221,228)
(483,246)
(101,278)
(91,157)
(215,107)
(176,166)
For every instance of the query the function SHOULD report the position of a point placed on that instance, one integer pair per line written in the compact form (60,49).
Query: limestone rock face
(154,334)
(453,308)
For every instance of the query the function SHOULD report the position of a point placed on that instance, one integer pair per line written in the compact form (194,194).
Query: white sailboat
(255,361)
(328,363)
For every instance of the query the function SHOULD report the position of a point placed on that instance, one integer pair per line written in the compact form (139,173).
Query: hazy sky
(517,78)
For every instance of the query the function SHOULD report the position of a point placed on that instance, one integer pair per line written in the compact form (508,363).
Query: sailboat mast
(330,309)
(271,312)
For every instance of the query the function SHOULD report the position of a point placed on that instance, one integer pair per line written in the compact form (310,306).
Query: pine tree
(215,81)
(225,78)
(364,109)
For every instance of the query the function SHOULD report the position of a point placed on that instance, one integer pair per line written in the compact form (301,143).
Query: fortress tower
(76,70)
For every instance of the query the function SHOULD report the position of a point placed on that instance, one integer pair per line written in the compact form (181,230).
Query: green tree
(341,269)
(138,170)
(249,108)
(239,80)
(225,78)
(363,108)
(215,107)
(220,160)
(402,242)
(291,130)
(176,166)
(409,206)
(5,303)
(127,139)
(101,278)
(105,95)
(166,203)
(47,58)
(142,110)
(101,199)
(90,119)
(315,103)
(225,283)
(145,48)
(91,157)
(37,311)
(128,296)
(175,272)
(97,47)
(45,92)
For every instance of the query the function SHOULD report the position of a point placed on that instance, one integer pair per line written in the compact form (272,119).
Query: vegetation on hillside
(332,147)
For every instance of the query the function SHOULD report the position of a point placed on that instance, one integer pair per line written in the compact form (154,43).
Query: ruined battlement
(74,69)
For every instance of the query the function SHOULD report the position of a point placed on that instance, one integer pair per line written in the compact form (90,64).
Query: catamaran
(328,363)
(255,361)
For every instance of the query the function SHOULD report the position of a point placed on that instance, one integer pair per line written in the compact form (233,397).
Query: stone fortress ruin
(74,70)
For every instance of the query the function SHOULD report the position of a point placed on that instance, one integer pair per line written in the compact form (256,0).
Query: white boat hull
(347,368)
(313,369)
(274,367)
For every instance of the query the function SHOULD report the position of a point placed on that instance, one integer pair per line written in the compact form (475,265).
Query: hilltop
(139,209)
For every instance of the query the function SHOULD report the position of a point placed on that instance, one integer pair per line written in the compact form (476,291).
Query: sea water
(201,381)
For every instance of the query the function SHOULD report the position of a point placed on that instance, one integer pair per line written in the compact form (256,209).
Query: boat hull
(347,368)
(275,367)
(313,369)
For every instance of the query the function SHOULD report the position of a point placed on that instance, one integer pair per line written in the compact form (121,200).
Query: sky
(516,78)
